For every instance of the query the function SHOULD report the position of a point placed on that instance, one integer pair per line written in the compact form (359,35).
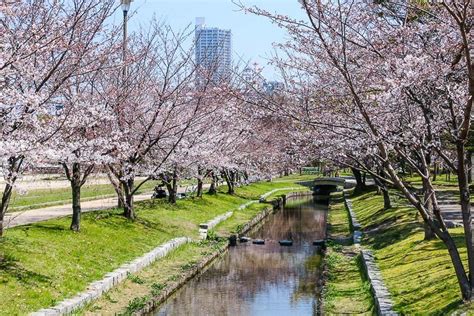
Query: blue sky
(252,35)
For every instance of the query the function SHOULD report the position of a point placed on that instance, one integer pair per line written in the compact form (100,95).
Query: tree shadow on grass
(10,268)
(451,307)
(389,234)
(45,227)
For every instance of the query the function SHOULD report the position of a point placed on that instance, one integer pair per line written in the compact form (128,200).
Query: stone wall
(380,293)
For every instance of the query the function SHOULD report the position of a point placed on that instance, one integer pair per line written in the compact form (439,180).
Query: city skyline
(213,50)
(252,35)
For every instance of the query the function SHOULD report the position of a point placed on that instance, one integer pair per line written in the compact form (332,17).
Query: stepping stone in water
(320,242)
(286,242)
(245,239)
(259,242)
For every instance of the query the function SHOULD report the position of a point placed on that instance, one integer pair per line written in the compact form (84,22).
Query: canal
(264,279)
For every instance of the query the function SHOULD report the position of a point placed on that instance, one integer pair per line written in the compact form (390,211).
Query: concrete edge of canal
(111,279)
(380,292)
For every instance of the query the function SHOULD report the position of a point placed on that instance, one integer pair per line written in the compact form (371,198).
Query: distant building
(271,87)
(213,52)
(252,74)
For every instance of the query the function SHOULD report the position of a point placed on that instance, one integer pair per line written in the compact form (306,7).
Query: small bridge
(324,186)
(330,181)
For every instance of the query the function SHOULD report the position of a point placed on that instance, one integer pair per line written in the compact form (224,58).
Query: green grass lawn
(131,295)
(338,217)
(346,290)
(441,180)
(44,263)
(49,197)
(418,273)
(238,219)
(254,191)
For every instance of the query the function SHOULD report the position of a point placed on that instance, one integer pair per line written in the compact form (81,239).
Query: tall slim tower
(213,52)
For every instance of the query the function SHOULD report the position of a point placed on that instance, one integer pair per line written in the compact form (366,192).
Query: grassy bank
(132,294)
(346,290)
(338,217)
(44,263)
(418,273)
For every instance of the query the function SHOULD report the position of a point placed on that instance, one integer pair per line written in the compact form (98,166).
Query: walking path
(450,208)
(42,214)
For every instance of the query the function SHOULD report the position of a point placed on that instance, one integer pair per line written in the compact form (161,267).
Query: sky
(252,35)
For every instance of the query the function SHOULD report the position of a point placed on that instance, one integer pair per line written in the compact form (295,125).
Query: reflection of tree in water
(301,223)
(230,286)
(308,282)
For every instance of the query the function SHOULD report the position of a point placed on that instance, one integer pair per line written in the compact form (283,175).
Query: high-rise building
(213,52)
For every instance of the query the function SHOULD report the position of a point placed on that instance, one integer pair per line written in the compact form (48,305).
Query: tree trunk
(14,167)
(120,196)
(76,197)
(360,184)
(466,208)
(443,234)
(171,193)
(237,178)
(172,186)
(469,166)
(7,193)
(128,208)
(199,187)
(118,187)
(387,204)
(246,177)
(200,182)
(429,233)
(382,189)
(213,187)
(463,281)
(229,181)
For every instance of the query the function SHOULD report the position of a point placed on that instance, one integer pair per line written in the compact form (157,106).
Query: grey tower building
(213,52)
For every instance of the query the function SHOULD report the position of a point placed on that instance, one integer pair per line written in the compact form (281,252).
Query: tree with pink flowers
(43,46)
(381,83)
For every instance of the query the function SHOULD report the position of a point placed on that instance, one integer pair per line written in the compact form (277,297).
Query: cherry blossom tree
(151,125)
(43,45)
(387,88)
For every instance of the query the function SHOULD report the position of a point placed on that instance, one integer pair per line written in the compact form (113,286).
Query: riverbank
(346,289)
(418,273)
(145,290)
(255,279)
(44,263)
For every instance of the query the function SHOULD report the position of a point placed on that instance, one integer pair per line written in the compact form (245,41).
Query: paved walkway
(38,215)
(450,208)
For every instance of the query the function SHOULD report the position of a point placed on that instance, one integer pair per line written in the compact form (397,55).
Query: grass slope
(418,273)
(346,289)
(44,263)
(137,289)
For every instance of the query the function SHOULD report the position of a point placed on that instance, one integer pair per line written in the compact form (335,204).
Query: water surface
(262,279)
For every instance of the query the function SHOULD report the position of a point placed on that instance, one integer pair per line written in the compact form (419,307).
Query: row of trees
(379,87)
(68,97)
(385,86)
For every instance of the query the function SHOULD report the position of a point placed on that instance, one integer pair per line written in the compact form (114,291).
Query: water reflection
(261,279)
